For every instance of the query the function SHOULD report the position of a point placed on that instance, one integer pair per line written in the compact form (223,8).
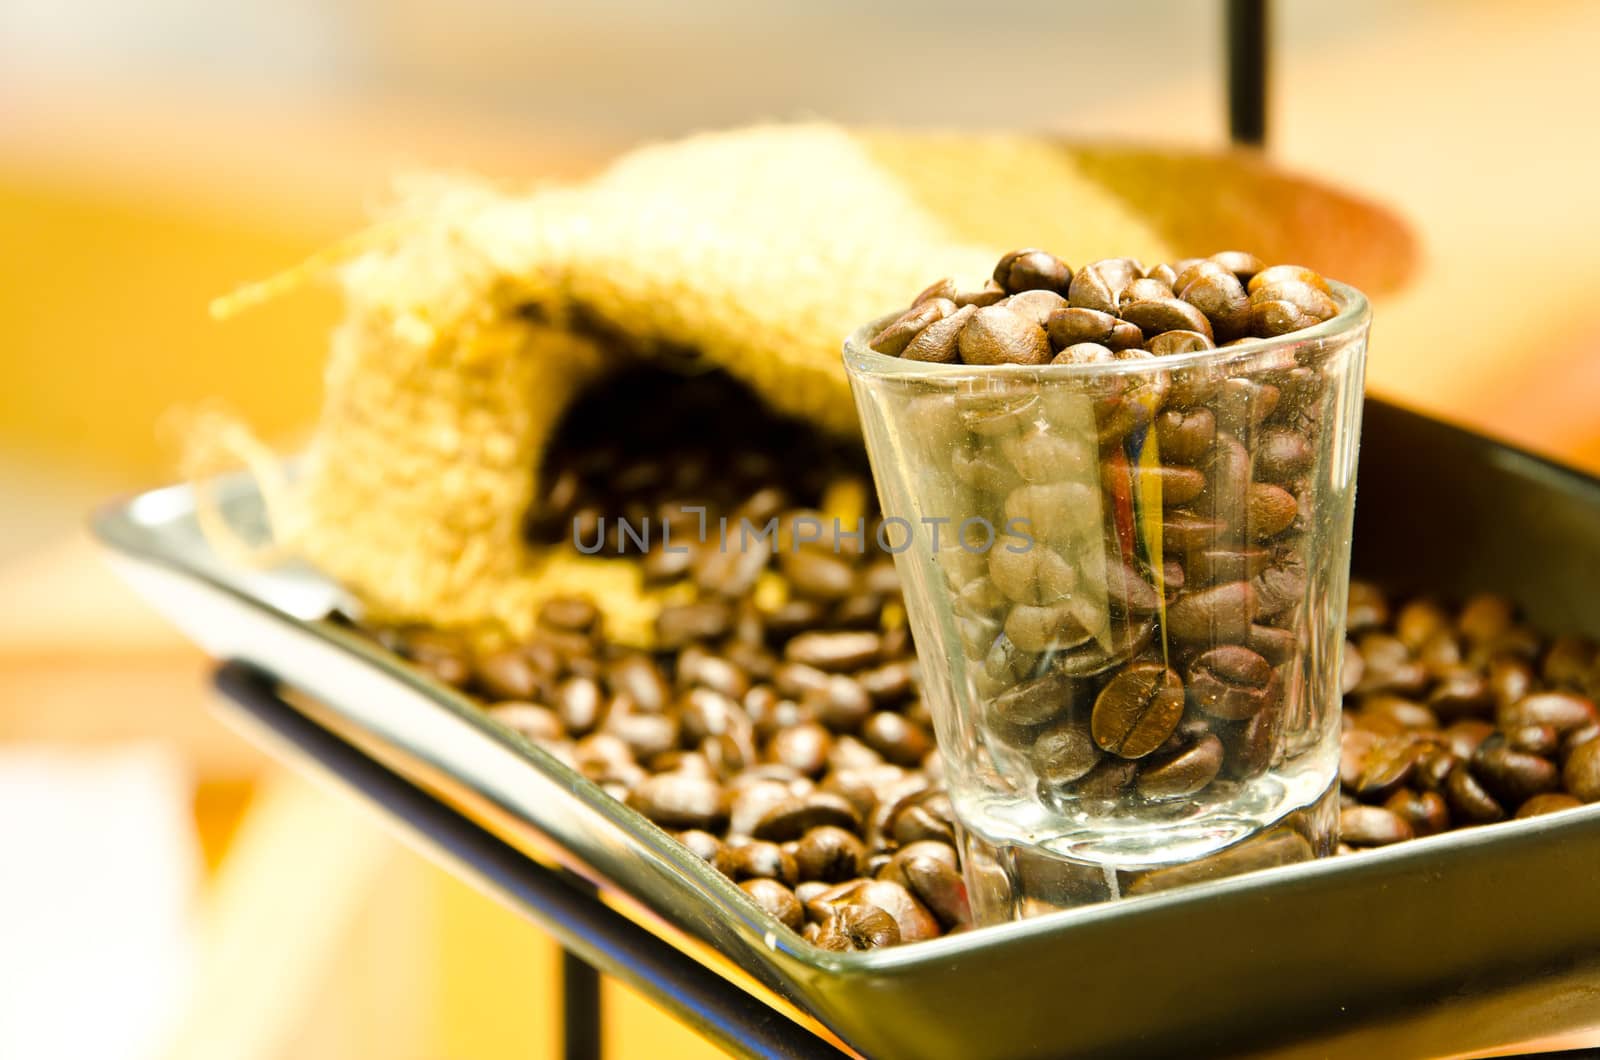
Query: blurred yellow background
(153,156)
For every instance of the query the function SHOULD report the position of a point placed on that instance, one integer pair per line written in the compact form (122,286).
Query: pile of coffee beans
(841,831)
(1037,310)
(1135,617)
(1459,717)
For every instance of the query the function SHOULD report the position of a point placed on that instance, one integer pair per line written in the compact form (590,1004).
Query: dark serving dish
(1452,943)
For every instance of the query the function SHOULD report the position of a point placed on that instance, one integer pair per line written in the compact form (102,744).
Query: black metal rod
(585,927)
(1247,30)
(580,1008)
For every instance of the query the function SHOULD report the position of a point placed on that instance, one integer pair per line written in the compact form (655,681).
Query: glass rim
(1355,314)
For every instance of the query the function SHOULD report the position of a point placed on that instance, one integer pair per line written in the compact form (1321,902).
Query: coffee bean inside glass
(1125,563)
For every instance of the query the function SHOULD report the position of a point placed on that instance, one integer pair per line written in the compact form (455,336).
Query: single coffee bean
(939,343)
(835,652)
(1030,573)
(1028,270)
(678,801)
(1576,738)
(1164,273)
(1281,273)
(1398,712)
(1184,436)
(1207,566)
(1272,318)
(1049,628)
(1136,712)
(857,926)
(1219,614)
(1372,826)
(1181,773)
(1175,484)
(1064,753)
(1035,701)
(1550,802)
(930,872)
(1154,315)
(1071,325)
(1581,775)
(1282,454)
(894,338)
(1044,456)
(575,614)
(678,625)
(1108,779)
(1461,692)
(1468,800)
(988,294)
(1243,264)
(537,723)
(1099,285)
(1271,643)
(508,674)
(1387,766)
(1510,680)
(702,845)
(945,288)
(829,854)
(1036,306)
(1233,683)
(1425,811)
(1269,510)
(1281,586)
(996,335)
(1184,532)
(1219,295)
(1303,296)
(891,735)
(758,859)
(776,900)
(1569,663)
(1085,353)
(794,817)
(817,575)
(1144,289)
(1559,710)
(1511,776)
(803,748)
(1542,740)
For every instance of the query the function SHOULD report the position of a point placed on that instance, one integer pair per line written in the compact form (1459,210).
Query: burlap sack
(478,316)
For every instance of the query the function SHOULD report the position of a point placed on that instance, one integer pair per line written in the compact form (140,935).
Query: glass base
(1007,880)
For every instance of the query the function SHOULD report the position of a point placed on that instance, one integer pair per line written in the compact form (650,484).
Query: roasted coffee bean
(1232,682)
(1028,270)
(1282,273)
(1372,826)
(1036,306)
(1183,532)
(1243,264)
(678,801)
(1035,701)
(776,900)
(1030,573)
(1064,753)
(1368,609)
(794,817)
(1273,644)
(1581,774)
(575,614)
(1387,765)
(1085,353)
(1183,772)
(697,667)
(444,656)
(1275,317)
(1099,286)
(803,748)
(508,673)
(1307,299)
(1542,740)
(857,926)
(758,859)
(1269,510)
(1173,343)
(1559,710)
(1461,692)
(939,342)
(1136,712)
(1425,811)
(1145,288)
(1111,777)
(829,854)
(1512,776)
(911,917)
(817,575)
(703,845)
(894,339)
(1046,456)
(835,652)
(1550,802)
(1397,712)
(679,625)
(1154,315)
(1047,628)
(1468,800)
(996,335)
(1071,325)
(1219,614)
(537,723)
(891,735)
(1218,294)
(929,871)
(1570,663)
(1184,436)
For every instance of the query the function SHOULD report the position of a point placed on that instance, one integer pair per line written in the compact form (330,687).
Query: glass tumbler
(1126,582)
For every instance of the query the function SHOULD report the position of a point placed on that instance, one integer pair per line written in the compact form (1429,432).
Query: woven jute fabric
(481,316)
